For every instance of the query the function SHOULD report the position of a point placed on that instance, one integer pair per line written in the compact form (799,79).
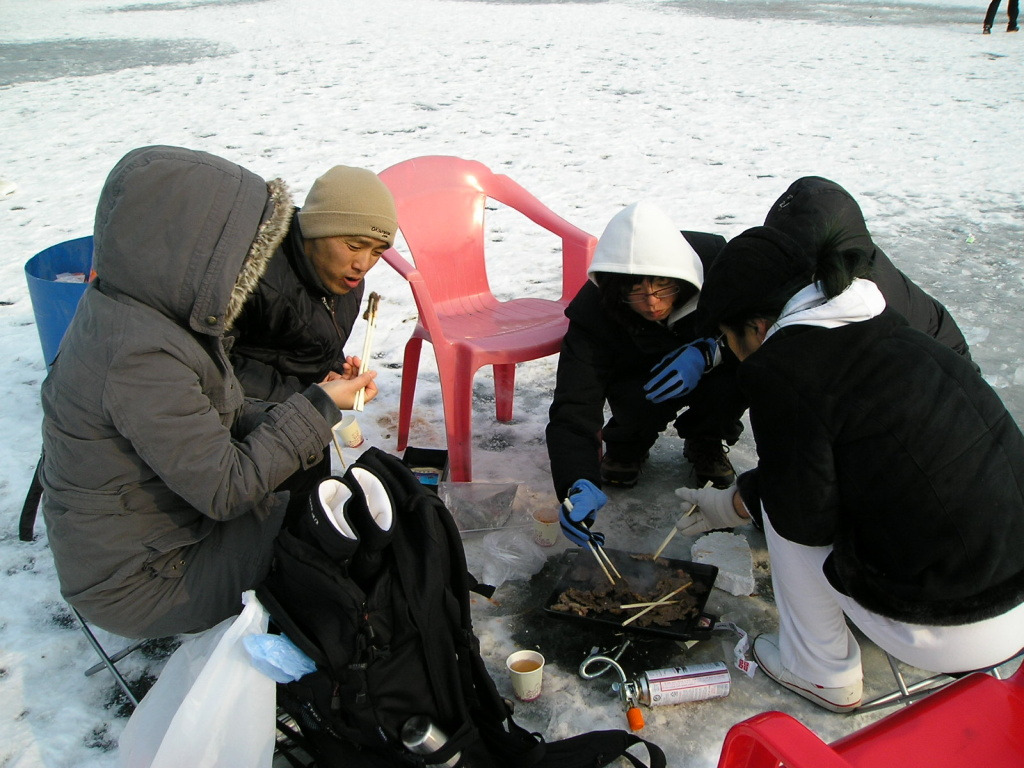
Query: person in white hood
(635,344)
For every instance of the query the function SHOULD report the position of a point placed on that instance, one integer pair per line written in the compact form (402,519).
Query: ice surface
(709,108)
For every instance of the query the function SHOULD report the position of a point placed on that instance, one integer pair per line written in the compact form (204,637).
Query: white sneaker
(844,699)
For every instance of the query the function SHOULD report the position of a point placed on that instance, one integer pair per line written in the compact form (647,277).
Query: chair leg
(410,370)
(504,390)
(457,396)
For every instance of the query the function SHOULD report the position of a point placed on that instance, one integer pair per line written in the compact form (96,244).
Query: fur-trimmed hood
(187,233)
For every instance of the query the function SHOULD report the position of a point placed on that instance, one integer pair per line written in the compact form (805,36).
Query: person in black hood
(813,208)
(890,477)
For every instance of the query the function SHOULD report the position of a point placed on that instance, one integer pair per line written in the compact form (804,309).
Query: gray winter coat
(159,477)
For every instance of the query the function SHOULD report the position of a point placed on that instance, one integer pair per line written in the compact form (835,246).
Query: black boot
(623,473)
(327,524)
(707,457)
(374,520)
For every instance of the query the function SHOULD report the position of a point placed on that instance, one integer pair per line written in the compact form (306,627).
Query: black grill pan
(583,572)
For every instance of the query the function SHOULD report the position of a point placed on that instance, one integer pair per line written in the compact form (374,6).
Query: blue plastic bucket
(54,303)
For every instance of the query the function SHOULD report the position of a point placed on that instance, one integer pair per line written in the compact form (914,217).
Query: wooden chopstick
(656,603)
(675,530)
(364,364)
(337,447)
(593,551)
(600,549)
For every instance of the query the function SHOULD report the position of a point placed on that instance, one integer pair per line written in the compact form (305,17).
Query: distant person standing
(990,17)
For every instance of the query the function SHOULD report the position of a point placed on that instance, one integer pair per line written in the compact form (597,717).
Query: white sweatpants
(817,645)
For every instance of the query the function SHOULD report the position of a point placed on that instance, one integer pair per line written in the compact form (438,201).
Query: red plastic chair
(440,204)
(975,721)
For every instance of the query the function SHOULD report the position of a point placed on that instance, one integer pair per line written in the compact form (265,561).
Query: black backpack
(402,646)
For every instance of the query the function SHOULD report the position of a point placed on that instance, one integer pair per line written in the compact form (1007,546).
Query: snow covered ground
(710,108)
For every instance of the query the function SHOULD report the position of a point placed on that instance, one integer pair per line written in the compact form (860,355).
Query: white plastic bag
(210,707)
(511,555)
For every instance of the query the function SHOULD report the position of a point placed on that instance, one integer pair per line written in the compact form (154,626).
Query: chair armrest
(418,286)
(577,245)
(577,253)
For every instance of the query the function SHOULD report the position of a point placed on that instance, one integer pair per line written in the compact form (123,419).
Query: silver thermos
(421,736)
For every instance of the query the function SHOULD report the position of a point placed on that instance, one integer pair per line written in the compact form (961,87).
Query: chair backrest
(441,213)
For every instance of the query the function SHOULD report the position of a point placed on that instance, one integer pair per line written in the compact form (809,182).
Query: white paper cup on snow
(348,431)
(526,668)
(545,527)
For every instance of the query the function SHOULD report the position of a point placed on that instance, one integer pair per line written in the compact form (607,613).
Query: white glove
(714,510)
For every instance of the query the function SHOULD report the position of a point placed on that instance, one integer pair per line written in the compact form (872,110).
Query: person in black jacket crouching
(634,343)
(890,477)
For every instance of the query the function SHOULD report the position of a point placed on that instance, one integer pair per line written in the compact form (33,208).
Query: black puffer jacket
(813,205)
(875,439)
(292,331)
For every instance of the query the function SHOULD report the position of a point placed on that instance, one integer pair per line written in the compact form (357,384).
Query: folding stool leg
(108,661)
(905,694)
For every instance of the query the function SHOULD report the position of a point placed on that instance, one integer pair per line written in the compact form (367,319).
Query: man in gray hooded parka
(159,477)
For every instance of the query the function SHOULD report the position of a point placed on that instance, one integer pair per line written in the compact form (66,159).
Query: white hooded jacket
(642,240)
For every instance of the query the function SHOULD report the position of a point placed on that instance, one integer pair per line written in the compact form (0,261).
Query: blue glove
(579,512)
(679,371)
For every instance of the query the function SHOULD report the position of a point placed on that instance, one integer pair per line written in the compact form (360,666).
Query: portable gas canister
(660,687)
(678,685)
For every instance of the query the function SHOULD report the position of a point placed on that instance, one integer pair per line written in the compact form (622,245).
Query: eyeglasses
(641,297)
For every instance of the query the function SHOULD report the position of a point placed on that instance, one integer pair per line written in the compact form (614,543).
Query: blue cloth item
(278,658)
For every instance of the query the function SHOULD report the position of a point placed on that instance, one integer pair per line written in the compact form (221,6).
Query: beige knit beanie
(349,201)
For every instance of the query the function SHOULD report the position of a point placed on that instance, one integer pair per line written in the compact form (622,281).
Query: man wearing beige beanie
(292,331)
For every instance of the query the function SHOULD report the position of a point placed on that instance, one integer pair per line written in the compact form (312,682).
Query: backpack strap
(599,748)
(27,522)
(484,590)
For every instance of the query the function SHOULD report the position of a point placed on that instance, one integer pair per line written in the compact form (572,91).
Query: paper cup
(545,527)
(526,668)
(348,430)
